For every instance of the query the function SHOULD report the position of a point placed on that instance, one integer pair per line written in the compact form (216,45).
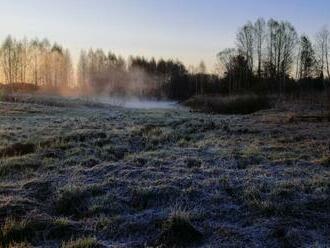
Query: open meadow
(82,174)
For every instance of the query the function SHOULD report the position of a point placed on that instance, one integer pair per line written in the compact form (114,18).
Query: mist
(107,151)
(136,103)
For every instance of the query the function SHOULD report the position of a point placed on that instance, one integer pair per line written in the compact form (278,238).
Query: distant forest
(269,57)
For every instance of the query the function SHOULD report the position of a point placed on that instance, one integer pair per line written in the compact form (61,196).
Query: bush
(240,104)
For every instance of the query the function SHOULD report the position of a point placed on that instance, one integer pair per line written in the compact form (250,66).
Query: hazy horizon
(190,31)
(114,134)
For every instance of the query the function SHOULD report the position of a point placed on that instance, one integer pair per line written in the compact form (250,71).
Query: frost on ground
(101,176)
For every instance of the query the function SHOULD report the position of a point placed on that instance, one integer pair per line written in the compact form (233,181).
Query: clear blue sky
(190,30)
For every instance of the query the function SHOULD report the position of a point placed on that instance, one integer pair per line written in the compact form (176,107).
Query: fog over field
(166,124)
(134,102)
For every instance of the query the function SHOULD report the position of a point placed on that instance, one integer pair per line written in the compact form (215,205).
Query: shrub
(240,104)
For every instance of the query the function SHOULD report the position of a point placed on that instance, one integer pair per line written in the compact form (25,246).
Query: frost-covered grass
(76,175)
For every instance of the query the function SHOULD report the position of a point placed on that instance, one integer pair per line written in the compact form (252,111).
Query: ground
(92,175)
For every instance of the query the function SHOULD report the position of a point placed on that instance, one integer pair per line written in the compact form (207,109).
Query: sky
(188,30)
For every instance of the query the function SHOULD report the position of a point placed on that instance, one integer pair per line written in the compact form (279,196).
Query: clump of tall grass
(238,104)
(14,165)
(14,231)
(178,230)
(70,201)
(82,243)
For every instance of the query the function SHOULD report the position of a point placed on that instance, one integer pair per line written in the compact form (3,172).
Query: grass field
(76,174)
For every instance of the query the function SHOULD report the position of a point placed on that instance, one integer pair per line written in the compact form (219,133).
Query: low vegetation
(239,104)
(177,231)
(98,176)
(17,149)
(81,243)
(21,231)
(70,201)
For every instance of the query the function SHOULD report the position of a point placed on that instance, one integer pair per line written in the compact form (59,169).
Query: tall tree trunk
(327,59)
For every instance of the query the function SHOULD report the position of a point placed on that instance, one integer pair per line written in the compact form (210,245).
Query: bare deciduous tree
(245,43)
(282,40)
(322,51)
(10,59)
(35,62)
(259,34)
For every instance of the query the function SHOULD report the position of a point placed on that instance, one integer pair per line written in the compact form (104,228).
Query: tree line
(268,57)
(271,56)
(35,61)
(100,72)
